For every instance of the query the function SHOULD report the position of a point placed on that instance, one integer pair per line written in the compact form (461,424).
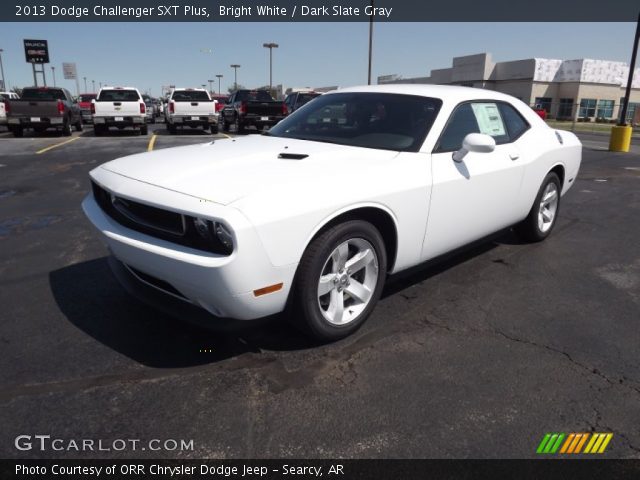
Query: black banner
(313,469)
(318,11)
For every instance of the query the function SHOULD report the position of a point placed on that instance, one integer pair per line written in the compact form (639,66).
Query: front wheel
(339,280)
(544,212)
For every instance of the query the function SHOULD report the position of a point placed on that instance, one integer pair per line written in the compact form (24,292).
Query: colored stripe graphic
(573,443)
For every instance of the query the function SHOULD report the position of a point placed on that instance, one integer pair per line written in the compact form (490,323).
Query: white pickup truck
(5,96)
(119,107)
(191,107)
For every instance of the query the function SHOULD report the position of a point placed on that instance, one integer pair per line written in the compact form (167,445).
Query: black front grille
(156,222)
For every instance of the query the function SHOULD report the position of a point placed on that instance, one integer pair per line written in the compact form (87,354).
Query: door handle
(514,155)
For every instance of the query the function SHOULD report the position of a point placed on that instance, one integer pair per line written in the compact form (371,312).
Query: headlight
(212,236)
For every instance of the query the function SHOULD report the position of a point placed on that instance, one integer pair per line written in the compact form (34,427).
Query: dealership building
(584,89)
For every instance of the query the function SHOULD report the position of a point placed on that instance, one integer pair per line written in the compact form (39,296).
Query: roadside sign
(36,51)
(69,71)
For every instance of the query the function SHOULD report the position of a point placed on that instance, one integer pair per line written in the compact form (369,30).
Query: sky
(149,55)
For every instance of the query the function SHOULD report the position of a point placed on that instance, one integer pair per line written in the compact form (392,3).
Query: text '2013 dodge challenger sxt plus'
(313,215)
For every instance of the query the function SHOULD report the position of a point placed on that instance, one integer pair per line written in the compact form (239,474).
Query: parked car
(119,107)
(221,99)
(313,216)
(251,108)
(42,108)
(193,108)
(540,111)
(295,100)
(84,102)
(151,111)
(6,96)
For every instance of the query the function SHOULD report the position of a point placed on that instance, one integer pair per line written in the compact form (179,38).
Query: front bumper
(222,285)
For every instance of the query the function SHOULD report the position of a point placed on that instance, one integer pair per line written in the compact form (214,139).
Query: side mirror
(475,142)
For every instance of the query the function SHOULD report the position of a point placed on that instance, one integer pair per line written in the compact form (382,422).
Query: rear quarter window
(118,96)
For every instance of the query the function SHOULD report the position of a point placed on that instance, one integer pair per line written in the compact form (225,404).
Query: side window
(480,117)
(462,122)
(516,125)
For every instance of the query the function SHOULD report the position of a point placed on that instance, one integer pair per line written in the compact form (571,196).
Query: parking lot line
(228,136)
(152,142)
(56,145)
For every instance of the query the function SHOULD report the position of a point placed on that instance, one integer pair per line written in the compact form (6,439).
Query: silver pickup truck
(41,108)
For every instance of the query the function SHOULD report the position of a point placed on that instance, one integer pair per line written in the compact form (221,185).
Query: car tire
(18,132)
(79,126)
(144,130)
(237,125)
(338,312)
(222,124)
(214,129)
(98,130)
(66,129)
(544,212)
(172,129)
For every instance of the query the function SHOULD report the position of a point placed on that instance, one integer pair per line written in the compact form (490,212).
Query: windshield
(190,96)
(118,96)
(385,121)
(86,98)
(254,96)
(44,94)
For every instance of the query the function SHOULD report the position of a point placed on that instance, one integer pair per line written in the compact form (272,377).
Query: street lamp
(235,67)
(53,72)
(270,46)
(85,84)
(93,85)
(219,77)
(210,82)
(370,42)
(4,83)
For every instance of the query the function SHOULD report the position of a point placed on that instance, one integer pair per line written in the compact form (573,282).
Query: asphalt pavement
(475,356)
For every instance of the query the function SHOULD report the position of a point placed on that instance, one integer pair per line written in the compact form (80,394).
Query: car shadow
(91,299)
(186,132)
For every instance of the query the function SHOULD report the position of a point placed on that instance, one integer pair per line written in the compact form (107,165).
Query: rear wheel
(172,129)
(144,130)
(18,132)
(237,124)
(98,130)
(78,125)
(66,129)
(544,212)
(339,280)
(214,129)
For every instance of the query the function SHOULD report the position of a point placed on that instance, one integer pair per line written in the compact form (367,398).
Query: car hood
(227,170)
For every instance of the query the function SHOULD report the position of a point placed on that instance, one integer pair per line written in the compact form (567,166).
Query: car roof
(449,92)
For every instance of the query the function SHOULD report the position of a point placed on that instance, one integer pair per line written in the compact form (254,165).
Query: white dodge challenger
(313,215)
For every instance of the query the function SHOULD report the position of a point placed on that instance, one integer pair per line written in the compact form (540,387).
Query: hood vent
(293,156)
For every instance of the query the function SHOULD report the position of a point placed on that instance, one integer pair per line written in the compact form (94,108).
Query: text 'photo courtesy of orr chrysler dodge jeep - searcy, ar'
(311,216)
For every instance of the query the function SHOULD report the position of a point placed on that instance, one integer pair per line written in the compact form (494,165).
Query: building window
(565,109)
(631,110)
(543,103)
(587,107)
(605,109)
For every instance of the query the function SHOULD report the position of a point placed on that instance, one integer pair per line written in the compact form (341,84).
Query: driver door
(476,196)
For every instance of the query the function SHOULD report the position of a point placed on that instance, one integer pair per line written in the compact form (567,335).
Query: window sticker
(489,119)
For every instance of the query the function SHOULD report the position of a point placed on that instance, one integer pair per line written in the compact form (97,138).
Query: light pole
(219,77)
(270,46)
(85,83)
(210,82)
(4,83)
(235,67)
(93,85)
(53,73)
(370,42)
